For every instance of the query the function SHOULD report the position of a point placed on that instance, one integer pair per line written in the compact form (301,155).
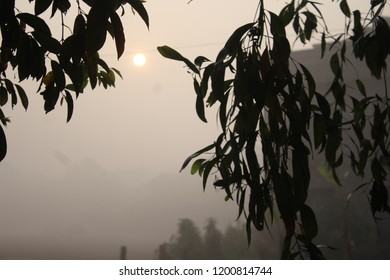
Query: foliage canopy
(274,119)
(62,65)
(273,116)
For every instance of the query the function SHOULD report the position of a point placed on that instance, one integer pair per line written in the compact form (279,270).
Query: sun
(139,59)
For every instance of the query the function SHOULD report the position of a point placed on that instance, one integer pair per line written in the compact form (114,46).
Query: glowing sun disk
(139,59)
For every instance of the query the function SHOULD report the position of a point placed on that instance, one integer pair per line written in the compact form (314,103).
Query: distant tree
(163,252)
(274,119)
(230,244)
(212,241)
(187,244)
(234,244)
(64,65)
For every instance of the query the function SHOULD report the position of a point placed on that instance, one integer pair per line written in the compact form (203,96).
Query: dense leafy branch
(64,66)
(273,117)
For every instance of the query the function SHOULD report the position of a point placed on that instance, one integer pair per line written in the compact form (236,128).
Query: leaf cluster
(64,66)
(273,118)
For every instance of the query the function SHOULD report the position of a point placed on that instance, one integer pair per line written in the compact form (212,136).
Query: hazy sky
(66,180)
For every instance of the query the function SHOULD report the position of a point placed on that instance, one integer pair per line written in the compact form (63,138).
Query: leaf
(97,21)
(11,90)
(324,105)
(139,7)
(23,96)
(310,80)
(35,22)
(194,155)
(118,33)
(200,108)
(319,129)
(234,42)
(196,165)
(200,60)
(3,144)
(375,3)
(62,5)
(282,49)
(73,47)
(287,14)
(170,53)
(79,24)
(310,24)
(296,25)
(335,64)
(309,222)
(59,77)
(218,82)
(3,96)
(277,26)
(117,72)
(41,6)
(47,42)
(50,95)
(69,101)
(345,8)
(323,44)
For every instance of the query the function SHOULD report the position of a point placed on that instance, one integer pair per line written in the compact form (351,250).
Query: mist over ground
(110,177)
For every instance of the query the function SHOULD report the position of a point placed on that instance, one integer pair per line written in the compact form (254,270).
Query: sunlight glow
(139,59)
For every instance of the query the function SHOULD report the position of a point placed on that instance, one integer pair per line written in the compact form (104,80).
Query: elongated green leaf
(196,165)
(309,222)
(296,25)
(139,7)
(35,22)
(170,53)
(310,80)
(194,155)
(41,6)
(233,43)
(200,110)
(323,45)
(335,64)
(118,33)
(207,169)
(319,130)
(23,96)
(3,96)
(69,101)
(324,105)
(345,8)
(310,24)
(117,72)
(287,13)
(10,88)
(3,144)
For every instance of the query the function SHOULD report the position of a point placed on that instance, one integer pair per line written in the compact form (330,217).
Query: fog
(110,177)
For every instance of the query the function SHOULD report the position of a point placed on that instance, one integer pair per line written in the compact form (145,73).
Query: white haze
(111,176)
